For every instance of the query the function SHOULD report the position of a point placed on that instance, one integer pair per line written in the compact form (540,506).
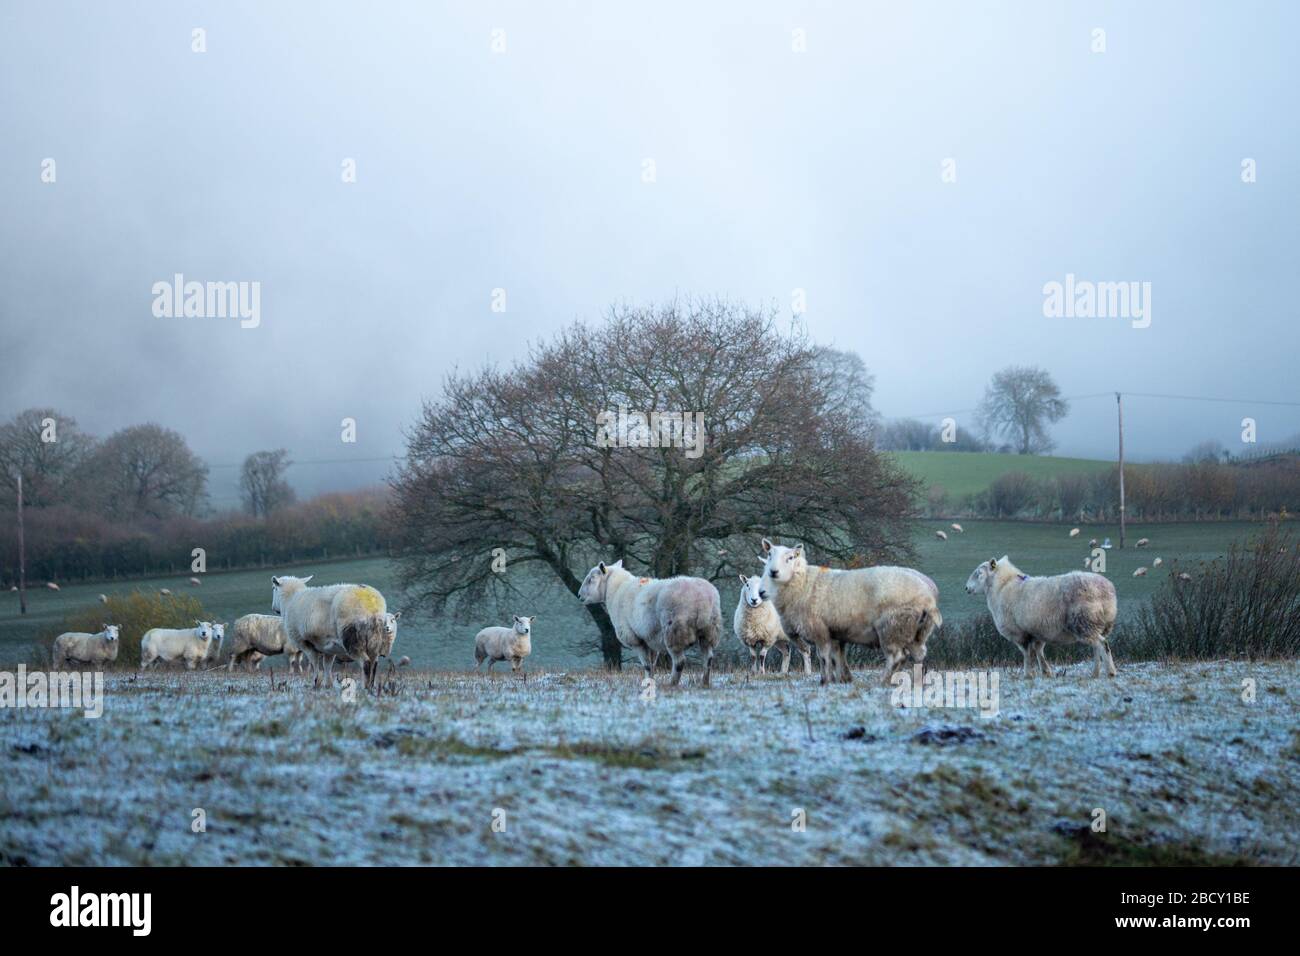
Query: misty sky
(523,170)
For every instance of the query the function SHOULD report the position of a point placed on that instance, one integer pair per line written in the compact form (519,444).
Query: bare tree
(149,471)
(907,434)
(551,461)
(847,382)
(47,449)
(261,482)
(1019,404)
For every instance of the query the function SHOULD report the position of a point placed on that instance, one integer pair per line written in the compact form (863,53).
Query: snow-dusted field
(587,772)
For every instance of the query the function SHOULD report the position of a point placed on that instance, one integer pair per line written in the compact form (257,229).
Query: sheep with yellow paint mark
(321,620)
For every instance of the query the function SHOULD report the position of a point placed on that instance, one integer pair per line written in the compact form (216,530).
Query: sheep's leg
(1110,660)
(823,641)
(786,652)
(1027,649)
(1039,648)
(806,650)
(491,661)
(893,657)
(678,661)
(762,661)
(753,658)
(842,660)
(648,660)
(707,651)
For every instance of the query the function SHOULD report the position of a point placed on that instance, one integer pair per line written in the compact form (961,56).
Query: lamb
(218,639)
(942,536)
(1140,573)
(1074,532)
(1142,542)
(956,527)
(190,645)
(78,647)
(893,608)
(259,636)
(758,627)
(1033,612)
(511,644)
(654,615)
(337,620)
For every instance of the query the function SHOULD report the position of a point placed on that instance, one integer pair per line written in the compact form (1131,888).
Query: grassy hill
(962,473)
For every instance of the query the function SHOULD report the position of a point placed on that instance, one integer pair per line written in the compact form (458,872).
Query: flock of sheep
(791,605)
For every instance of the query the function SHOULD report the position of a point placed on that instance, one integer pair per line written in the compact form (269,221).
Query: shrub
(971,641)
(1011,494)
(134,613)
(1243,605)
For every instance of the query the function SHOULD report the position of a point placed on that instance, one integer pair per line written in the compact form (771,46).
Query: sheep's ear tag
(1023,577)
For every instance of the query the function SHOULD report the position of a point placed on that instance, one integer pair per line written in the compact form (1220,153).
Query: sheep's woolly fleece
(589,772)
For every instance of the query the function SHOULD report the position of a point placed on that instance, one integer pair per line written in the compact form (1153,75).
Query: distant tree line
(1019,404)
(136,503)
(1189,491)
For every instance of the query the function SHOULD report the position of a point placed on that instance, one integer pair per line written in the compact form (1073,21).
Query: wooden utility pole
(22,554)
(1119,405)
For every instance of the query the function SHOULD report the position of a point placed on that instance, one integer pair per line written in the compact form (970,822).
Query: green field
(963,473)
(564,636)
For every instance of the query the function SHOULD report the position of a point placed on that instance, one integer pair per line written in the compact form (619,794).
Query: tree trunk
(610,649)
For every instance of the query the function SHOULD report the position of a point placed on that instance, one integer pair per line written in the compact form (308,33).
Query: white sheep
(191,645)
(758,627)
(1157,562)
(258,636)
(656,615)
(1074,532)
(51,585)
(941,536)
(1033,612)
(1142,542)
(956,527)
(893,608)
(511,644)
(195,581)
(1140,573)
(103,599)
(336,620)
(366,640)
(78,647)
